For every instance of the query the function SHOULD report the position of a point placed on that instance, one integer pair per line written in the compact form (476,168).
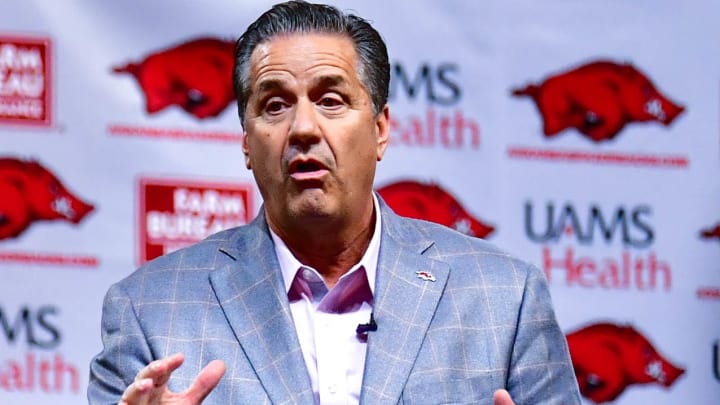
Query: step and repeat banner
(582,136)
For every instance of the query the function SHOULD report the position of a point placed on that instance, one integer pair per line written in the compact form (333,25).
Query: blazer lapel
(252,295)
(408,287)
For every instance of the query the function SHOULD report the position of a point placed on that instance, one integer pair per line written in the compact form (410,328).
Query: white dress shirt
(326,320)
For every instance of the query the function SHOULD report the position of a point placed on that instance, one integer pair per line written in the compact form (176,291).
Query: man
(327,296)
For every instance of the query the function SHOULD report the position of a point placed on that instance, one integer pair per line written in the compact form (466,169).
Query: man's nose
(304,129)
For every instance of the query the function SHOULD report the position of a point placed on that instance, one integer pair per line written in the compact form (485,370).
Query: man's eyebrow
(329,81)
(269,85)
(325,81)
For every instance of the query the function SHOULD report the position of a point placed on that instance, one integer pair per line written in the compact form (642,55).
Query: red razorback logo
(607,358)
(31,193)
(432,203)
(711,233)
(599,99)
(195,75)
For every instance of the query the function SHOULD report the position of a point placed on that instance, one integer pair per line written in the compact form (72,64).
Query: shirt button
(332,388)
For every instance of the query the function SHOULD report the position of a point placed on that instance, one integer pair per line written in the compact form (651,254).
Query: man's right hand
(150,386)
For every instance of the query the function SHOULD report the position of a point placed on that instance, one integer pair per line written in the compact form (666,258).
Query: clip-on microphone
(363,328)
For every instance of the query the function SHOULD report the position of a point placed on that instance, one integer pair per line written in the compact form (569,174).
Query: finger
(167,366)
(137,393)
(502,397)
(206,381)
(159,370)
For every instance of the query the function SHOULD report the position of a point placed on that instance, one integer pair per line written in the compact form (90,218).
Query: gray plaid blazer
(485,323)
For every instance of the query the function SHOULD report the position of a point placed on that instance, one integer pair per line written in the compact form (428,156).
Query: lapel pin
(425,275)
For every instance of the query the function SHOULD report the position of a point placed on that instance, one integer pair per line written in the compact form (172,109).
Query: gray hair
(301,17)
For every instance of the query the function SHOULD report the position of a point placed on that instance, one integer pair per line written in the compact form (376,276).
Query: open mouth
(302,169)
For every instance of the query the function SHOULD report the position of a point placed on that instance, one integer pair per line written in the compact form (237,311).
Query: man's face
(311,138)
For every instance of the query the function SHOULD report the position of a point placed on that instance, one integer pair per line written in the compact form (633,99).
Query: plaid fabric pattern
(484,323)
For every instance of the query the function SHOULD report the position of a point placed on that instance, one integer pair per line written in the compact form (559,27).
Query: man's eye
(330,102)
(274,106)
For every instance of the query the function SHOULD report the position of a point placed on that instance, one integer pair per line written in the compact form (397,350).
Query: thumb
(502,397)
(206,381)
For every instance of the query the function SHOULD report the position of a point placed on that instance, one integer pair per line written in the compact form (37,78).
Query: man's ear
(382,126)
(246,149)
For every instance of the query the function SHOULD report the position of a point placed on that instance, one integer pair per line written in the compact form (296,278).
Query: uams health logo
(30,192)
(443,124)
(608,358)
(598,99)
(176,213)
(432,203)
(565,230)
(25,80)
(195,75)
(33,363)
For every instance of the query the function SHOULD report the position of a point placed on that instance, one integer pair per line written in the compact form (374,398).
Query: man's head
(314,127)
(296,17)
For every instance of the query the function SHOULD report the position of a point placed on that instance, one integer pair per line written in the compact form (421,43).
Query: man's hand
(150,386)
(502,397)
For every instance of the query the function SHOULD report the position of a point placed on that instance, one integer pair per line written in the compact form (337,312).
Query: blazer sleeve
(125,350)
(540,371)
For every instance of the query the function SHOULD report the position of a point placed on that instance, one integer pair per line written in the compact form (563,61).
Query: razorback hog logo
(195,75)
(31,193)
(608,358)
(711,233)
(432,203)
(599,99)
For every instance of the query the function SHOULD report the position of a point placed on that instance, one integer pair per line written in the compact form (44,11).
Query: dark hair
(301,17)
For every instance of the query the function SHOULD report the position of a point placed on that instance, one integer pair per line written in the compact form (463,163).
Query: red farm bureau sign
(177,213)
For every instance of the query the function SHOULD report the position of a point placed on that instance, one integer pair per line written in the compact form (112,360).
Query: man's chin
(310,206)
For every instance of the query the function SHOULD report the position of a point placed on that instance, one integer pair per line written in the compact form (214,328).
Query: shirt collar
(289,265)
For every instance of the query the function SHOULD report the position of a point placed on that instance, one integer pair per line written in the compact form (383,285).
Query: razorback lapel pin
(425,275)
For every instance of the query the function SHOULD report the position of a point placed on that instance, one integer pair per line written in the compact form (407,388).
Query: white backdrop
(616,222)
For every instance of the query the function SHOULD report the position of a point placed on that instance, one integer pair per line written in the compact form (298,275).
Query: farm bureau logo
(176,213)
(30,192)
(439,86)
(41,368)
(25,80)
(432,203)
(636,266)
(608,358)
